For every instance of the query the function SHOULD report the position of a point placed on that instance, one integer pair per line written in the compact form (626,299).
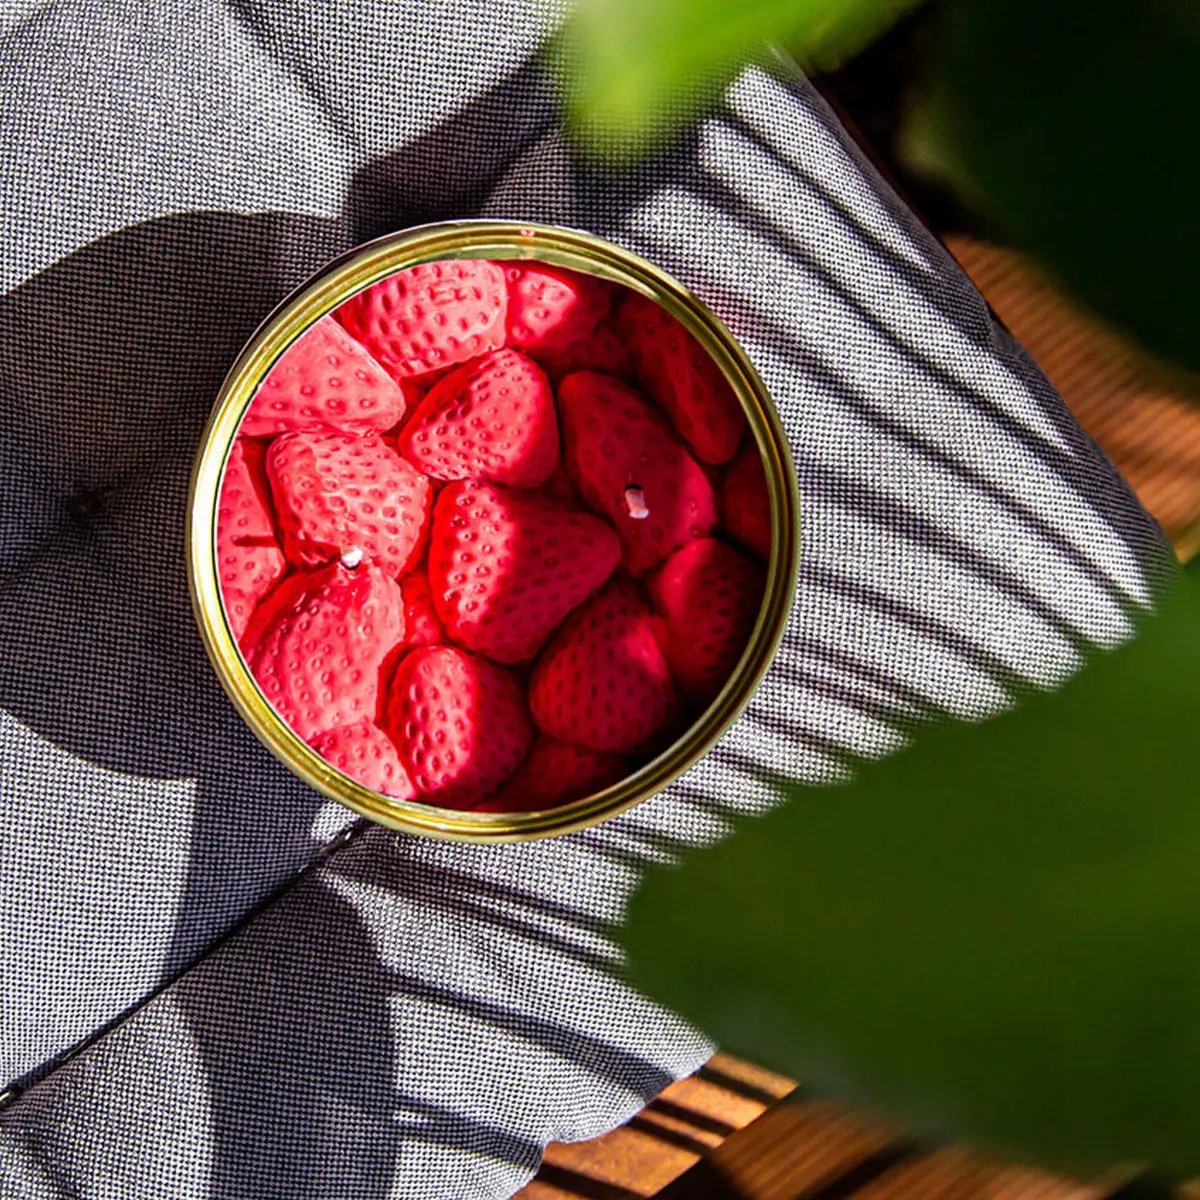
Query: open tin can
(496,241)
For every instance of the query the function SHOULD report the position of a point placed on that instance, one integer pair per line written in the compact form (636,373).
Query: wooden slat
(796,1148)
(786,1155)
(672,1133)
(956,1174)
(1145,417)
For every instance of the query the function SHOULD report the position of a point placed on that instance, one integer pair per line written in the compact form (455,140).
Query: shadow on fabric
(112,358)
(302,1068)
(109,362)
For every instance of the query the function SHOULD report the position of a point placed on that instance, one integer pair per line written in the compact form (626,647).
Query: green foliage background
(1071,128)
(995,933)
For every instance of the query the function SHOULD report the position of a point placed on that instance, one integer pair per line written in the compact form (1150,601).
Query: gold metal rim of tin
(492,240)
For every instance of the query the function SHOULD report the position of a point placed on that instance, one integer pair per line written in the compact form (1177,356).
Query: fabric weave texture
(399,1018)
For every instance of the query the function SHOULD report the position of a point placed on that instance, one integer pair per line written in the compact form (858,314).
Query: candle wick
(351,557)
(635,502)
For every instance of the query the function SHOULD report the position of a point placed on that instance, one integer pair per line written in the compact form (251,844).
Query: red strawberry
(604,351)
(340,495)
(555,773)
(603,682)
(630,466)
(491,419)
(506,567)
(460,723)
(324,379)
(745,502)
(422,625)
(317,644)
(367,755)
(430,316)
(249,560)
(709,595)
(677,372)
(560,487)
(549,308)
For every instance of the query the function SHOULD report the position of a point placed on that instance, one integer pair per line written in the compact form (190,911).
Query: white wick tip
(635,502)
(352,557)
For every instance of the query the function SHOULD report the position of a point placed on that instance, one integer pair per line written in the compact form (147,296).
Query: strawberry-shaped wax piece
(430,316)
(745,504)
(338,496)
(422,625)
(249,560)
(630,466)
(460,723)
(317,644)
(604,351)
(560,487)
(324,380)
(466,584)
(491,419)
(708,595)
(368,756)
(555,773)
(506,567)
(550,308)
(681,376)
(603,681)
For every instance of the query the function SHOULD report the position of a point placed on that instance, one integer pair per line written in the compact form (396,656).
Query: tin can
(495,240)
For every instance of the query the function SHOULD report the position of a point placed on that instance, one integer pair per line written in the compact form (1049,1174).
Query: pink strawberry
(745,502)
(604,351)
(367,755)
(603,682)
(249,560)
(430,316)
(491,419)
(630,466)
(324,379)
(549,308)
(681,376)
(338,495)
(422,625)
(460,723)
(709,595)
(555,773)
(423,382)
(506,567)
(318,642)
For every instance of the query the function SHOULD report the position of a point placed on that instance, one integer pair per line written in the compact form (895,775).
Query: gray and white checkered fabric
(400,1018)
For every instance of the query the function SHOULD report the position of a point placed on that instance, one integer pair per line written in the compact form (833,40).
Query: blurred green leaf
(996,933)
(637,69)
(1073,130)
